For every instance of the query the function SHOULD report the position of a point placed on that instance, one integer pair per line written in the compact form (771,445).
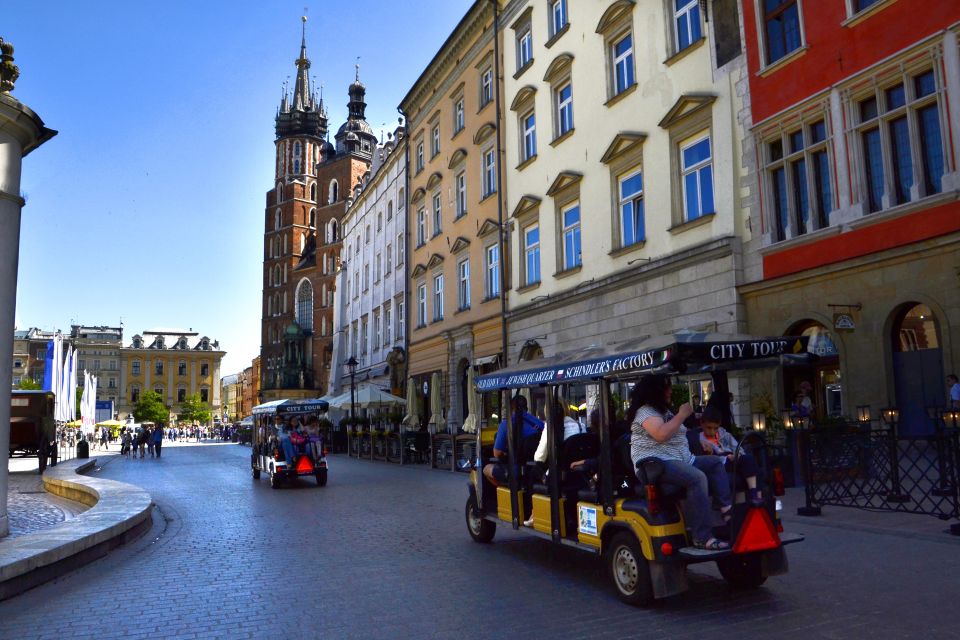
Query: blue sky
(148,205)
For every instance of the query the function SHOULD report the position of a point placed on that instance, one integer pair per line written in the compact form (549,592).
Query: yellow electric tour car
(615,509)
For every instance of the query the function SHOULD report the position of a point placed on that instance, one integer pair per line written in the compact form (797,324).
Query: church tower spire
(301,114)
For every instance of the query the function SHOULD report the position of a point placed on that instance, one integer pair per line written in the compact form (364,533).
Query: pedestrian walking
(47,446)
(953,390)
(157,438)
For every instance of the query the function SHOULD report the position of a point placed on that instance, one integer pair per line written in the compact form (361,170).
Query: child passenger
(717,441)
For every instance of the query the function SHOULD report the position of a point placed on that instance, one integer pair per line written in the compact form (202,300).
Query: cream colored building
(623,130)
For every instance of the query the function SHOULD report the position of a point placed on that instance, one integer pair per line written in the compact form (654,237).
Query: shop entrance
(917,368)
(814,391)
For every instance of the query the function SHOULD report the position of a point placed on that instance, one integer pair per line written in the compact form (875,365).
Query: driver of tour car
(496,472)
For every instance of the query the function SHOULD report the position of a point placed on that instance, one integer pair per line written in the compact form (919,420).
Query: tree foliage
(193,409)
(28,384)
(150,408)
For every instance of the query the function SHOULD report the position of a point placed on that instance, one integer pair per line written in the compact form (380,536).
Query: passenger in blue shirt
(496,472)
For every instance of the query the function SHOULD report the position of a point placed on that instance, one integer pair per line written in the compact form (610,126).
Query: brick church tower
(301,239)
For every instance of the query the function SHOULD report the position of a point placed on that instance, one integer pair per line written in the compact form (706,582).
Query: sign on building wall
(844,322)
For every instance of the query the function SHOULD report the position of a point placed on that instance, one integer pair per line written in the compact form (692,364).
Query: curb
(119,513)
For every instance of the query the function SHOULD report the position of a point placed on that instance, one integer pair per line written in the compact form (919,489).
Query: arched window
(284,302)
(305,305)
(276,247)
(277,220)
(276,304)
(323,326)
(284,245)
(313,192)
(313,216)
(296,157)
(334,192)
(270,310)
(333,231)
(276,275)
(400,200)
(303,242)
(390,210)
(279,191)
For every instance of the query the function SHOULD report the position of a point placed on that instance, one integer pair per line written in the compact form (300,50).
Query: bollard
(83,449)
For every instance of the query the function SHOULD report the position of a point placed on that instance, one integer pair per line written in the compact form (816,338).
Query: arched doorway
(917,367)
(817,387)
(462,368)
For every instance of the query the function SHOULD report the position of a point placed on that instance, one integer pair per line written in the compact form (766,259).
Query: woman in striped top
(657,433)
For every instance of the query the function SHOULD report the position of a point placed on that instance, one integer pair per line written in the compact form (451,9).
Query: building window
(158,367)
(366,277)
(528,125)
(181,394)
(570,219)
(364,336)
(334,192)
(376,268)
(686,21)
(632,228)
(623,73)
(400,246)
(697,178)
(461,182)
(401,318)
(531,254)
(135,394)
(387,324)
(379,220)
(367,235)
(305,305)
(204,395)
(159,391)
(421,226)
(861,5)
(524,48)
(181,368)
(558,16)
(437,215)
(422,305)
(204,369)
(390,211)
(563,99)
(112,383)
(493,271)
(486,87)
(388,263)
(489,172)
(899,130)
(781,26)
(438,297)
(463,284)
(376,330)
(798,169)
(435,146)
(420,156)
(458,116)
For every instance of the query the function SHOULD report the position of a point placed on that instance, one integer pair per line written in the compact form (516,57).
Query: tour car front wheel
(629,570)
(275,480)
(481,529)
(744,571)
(256,474)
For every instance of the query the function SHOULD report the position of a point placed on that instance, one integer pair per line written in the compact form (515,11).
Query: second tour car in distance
(287,442)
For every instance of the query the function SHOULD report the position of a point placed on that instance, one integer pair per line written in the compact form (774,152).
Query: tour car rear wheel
(274,480)
(744,571)
(629,570)
(481,530)
(256,474)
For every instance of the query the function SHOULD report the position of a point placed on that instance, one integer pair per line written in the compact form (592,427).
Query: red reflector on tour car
(304,465)
(757,532)
(666,549)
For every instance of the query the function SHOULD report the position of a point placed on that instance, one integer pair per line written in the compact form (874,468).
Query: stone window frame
(691,116)
(673,36)
(855,16)
(437,294)
(463,285)
(565,192)
(458,111)
(876,84)
(419,157)
(559,75)
(624,156)
(768,66)
(616,23)
(555,31)
(524,105)
(802,120)
(522,26)
(526,215)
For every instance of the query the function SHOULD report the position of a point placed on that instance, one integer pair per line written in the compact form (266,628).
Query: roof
(684,352)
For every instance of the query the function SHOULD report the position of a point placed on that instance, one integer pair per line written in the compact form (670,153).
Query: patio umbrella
(110,423)
(470,424)
(369,396)
(412,418)
(436,405)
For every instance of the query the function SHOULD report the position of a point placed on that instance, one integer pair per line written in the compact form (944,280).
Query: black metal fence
(872,468)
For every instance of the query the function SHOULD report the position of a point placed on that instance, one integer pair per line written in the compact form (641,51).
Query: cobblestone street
(30,507)
(382,551)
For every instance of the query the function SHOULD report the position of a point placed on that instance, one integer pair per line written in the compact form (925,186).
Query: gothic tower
(301,240)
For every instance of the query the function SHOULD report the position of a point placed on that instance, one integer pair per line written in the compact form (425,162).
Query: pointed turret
(300,114)
(355,135)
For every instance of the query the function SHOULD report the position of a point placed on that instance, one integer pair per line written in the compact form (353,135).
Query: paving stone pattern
(382,552)
(31,509)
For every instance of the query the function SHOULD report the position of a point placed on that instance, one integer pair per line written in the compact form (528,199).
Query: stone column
(21,131)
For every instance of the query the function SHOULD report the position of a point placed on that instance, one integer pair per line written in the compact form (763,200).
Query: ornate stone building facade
(302,239)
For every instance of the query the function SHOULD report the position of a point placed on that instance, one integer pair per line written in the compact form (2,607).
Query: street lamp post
(352,368)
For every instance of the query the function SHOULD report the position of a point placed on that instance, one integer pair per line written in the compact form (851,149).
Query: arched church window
(333,231)
(313,192)
(305,305)
(313,213)
(334,191)
(296,157)
(276,275)
(303,242)
(277,219)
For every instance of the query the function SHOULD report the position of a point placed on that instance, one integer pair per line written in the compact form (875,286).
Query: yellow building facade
(454,249)
(175,364)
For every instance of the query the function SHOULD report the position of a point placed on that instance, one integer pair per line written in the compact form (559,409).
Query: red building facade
(856,111)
